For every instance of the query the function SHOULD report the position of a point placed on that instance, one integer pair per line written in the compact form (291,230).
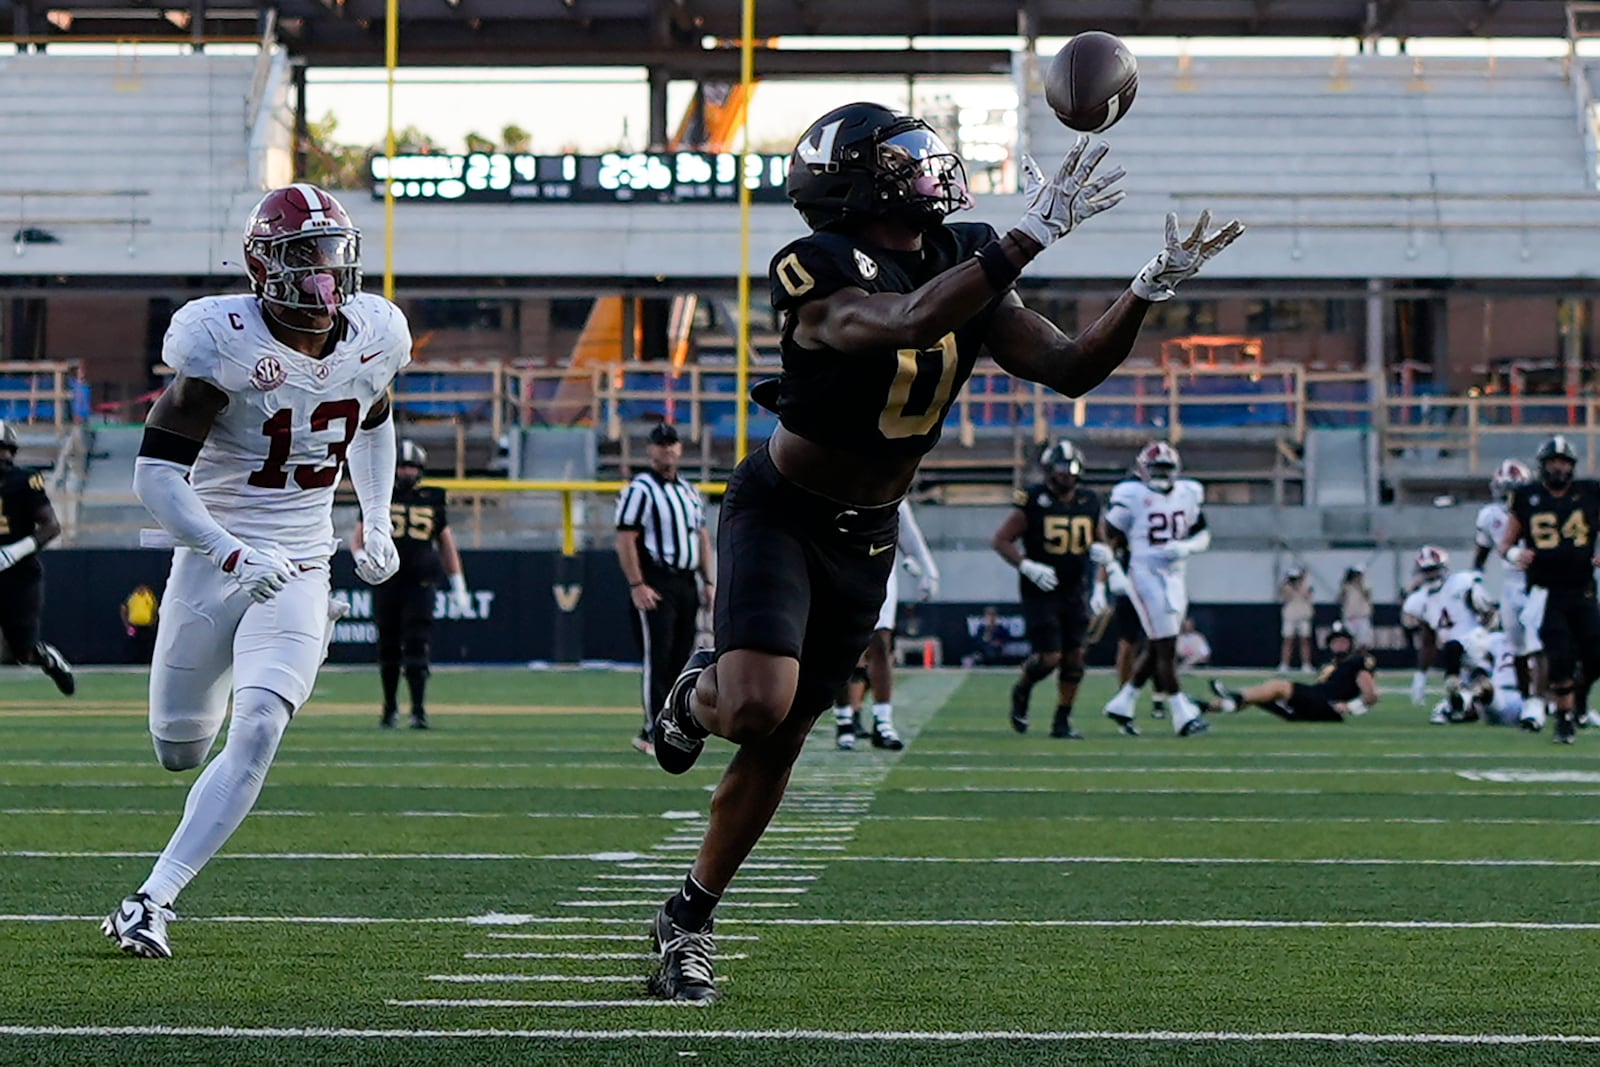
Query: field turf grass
(1383,892)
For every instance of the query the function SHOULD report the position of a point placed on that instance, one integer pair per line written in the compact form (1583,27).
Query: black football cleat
(1566,728)
(1227,699)
(387,719)
(1062,728)
(1196,725)
(1019,709)
(677,748)
(419,719)
(1124,723)
(55,665)
(844,737)
(883,736)
(683,971)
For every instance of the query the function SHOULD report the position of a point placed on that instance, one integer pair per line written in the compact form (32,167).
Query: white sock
(1533,709)
(1123,703)
(1182,710)
(223,794)
(843,715)
(883,716)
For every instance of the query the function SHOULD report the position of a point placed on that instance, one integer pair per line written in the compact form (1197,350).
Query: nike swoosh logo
(370,356)
(128,913)
(878,550)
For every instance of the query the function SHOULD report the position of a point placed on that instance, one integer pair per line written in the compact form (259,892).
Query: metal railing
(38,394)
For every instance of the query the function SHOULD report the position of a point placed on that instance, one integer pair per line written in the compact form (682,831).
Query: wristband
(997,266)
(635,585)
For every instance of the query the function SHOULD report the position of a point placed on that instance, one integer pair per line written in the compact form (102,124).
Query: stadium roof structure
(673,35)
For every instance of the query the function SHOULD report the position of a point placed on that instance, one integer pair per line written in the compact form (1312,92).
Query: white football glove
(261,572)
(17,550)
(1039,574)
(1182,258)
(460,599)
(1419,688)
(927,586)
(1073,194)
(1100,554)
(1097,599)
(1117,581)
(1519,556)
(378,559)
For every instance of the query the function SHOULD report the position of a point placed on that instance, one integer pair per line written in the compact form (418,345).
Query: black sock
(1063,714)
(390,673)
(691,906)
(417,682)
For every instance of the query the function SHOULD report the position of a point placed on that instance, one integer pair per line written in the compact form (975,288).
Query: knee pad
(1072,672)
(260,717)
(415,664)
(1562,689)
(182,755)
(858,675)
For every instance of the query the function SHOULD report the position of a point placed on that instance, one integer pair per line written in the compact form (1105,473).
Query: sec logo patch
(268,374)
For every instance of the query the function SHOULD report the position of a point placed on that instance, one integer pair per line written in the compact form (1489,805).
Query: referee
(662,541)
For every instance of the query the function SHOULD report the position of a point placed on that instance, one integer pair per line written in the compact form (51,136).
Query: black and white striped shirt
(668,515)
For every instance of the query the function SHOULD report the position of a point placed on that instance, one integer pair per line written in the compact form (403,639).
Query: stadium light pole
(741,378)
(391,59)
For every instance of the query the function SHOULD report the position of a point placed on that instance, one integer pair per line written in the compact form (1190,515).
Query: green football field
(1383,892)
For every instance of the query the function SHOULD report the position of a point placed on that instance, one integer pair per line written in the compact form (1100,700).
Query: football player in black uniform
(27,524)
(885,309)
(1551,535)
(403,605)
(1345,687)
(1056,521)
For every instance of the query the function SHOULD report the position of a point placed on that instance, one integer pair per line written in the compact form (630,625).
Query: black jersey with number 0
(1059,531)
(1337,681)
(419,517)
(21,496)
(1561,531)
(887,400)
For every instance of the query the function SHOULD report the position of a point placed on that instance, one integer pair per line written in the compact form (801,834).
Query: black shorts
(1056,623)
(800,575)
(21,601)
(1570,632)
(402,607)
(1129,628)
(1311,704)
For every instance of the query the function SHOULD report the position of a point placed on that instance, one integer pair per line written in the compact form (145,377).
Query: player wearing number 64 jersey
(275,393)
(1157,516)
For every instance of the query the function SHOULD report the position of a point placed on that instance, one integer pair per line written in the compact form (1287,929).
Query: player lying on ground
(885,310)
(1345,687)
(275,390)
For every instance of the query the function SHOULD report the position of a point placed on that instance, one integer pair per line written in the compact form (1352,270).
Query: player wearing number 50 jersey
(1158,517)
(885,310)
(1551,535)
(275,393)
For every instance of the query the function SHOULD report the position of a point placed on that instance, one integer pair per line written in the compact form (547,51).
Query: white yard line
(575,979)
(880,1036)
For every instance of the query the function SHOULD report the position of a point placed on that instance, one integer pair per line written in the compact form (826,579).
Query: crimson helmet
(1158,465)
(302,251)
(1510,474)
(865,161)
(1431,562)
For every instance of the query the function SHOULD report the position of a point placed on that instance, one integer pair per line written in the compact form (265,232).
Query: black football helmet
(866,161)
(1063,464)
(409,464)
(1338,631)
(1558,447)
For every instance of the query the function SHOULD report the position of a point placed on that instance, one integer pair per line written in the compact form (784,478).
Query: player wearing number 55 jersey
(1551,535)
(1158,516)
(275,392)
(1057,522)
(885,309)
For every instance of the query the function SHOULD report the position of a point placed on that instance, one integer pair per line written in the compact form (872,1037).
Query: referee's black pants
(665,634)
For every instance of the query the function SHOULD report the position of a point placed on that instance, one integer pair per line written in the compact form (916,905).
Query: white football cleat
(139,927)
(1590,718)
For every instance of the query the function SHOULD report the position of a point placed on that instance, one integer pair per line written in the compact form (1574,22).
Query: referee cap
(664,434)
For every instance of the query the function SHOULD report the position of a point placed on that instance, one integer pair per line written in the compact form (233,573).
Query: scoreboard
(615,177)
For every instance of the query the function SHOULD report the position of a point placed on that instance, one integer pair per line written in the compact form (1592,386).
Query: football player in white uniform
(1496,694)
(275,392)
(1488,532)
(1447,607)
(1158,517)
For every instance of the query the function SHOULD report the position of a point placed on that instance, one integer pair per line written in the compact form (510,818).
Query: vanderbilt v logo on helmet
(865,161)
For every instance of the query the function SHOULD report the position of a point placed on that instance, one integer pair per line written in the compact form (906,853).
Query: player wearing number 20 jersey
(275,393)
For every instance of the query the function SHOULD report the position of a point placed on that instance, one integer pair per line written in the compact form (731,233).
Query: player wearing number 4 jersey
(1157,517)
(1551,536)
(274,393)
(885,309)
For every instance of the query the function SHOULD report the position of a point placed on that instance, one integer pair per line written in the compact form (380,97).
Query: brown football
(1092,81)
